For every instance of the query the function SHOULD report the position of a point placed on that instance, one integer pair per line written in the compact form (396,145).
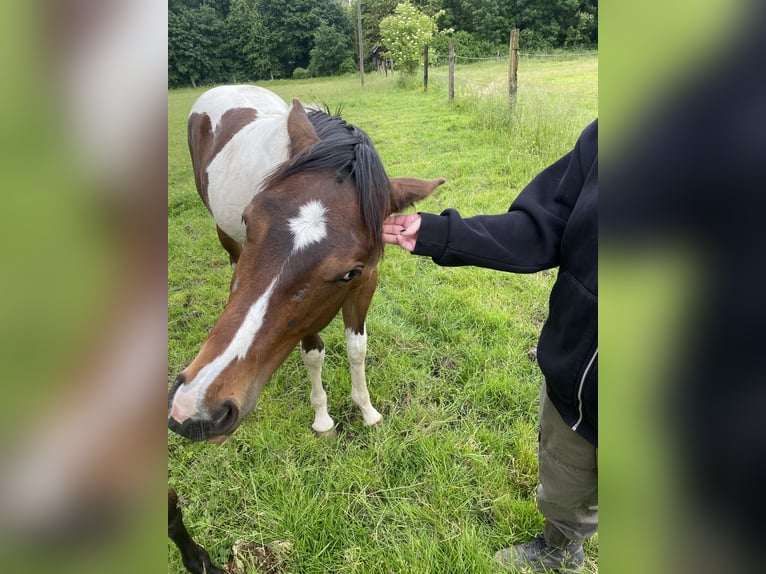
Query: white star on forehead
(309,226)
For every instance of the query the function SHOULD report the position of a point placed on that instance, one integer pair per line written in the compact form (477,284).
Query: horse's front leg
(354,315)
(195,558)
(356,346)
(312,353)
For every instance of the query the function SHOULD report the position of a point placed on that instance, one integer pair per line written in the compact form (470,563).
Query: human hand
(402,230)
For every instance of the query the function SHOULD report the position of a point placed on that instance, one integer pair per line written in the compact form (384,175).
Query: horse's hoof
(332,433)
(374,420)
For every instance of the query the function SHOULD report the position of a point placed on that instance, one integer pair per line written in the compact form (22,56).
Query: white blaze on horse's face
(189,399)
(309,226)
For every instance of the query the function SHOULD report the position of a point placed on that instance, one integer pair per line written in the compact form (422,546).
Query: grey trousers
(567,494)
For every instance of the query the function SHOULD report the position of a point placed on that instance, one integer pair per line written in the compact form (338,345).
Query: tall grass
(450,474)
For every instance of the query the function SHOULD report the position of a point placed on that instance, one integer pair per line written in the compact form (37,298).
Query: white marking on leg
(309,226)
(313,360)
(356,346)
(188,399)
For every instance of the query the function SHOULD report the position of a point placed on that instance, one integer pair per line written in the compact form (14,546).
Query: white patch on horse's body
(189,398)
(218,101)
(309,226)
(236,173)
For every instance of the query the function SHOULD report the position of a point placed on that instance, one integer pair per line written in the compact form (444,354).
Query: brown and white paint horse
(298,200)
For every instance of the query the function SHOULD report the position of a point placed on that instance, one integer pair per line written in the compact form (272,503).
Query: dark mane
(348,152)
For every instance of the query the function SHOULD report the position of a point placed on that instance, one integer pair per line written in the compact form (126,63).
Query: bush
(404,33)
(300,73)
(348,66)
(331,48)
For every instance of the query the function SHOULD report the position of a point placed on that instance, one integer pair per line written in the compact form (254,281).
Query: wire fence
(557,54)
(437,60)
(492,81)
(434,62)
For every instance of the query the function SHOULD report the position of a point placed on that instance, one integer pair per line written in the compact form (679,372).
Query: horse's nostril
(226,417)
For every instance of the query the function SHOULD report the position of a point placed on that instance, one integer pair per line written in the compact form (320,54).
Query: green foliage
(245,35)
(195,53)
(582,29)
(331,48)
(244,40)
(405,34)
(215,41)
(544,24)
(300,73)
(466,46)
(292,26)
(348,66)
(373,13)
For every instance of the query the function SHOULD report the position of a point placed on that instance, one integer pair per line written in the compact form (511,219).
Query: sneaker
(537,556)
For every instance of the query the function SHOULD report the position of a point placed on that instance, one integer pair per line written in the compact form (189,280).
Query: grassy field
(450,474)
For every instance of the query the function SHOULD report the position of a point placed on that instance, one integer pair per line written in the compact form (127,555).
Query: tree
(194,50)
(331,47)
(544,24)
(492,20)
(457,15)
(405,34)
(291,26)
(246,42)
(373,13)
(212,41)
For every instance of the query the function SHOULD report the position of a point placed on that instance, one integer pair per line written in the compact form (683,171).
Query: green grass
(450,475)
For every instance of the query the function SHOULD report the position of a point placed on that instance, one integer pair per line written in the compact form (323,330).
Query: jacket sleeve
(525,239)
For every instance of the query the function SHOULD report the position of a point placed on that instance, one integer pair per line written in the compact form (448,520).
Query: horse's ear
(407,190)
(302,133)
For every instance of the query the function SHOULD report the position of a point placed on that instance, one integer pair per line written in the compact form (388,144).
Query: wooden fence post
(451,71)
(359,36)
(425,68)
(513,83)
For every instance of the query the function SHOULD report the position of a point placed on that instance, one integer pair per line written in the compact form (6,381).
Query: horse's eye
(355,272)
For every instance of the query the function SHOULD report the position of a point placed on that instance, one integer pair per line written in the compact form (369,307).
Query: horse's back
(236,134)
(217,101)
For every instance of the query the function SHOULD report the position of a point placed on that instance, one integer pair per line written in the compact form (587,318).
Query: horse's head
(312,245)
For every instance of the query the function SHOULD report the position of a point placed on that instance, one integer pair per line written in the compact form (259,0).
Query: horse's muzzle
(221,422)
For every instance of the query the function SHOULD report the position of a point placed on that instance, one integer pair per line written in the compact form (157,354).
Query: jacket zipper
(582,384)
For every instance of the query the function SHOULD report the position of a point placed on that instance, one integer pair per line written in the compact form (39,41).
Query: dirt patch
(249,557)
(443,366)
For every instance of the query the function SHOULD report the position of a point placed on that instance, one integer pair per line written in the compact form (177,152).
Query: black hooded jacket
(552,223)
